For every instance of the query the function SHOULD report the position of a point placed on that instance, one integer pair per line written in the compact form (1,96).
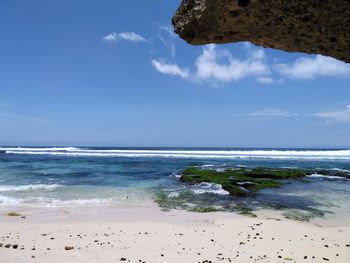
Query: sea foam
(211,188)
(327,176)
(52,202)
(31,187)
(192,154)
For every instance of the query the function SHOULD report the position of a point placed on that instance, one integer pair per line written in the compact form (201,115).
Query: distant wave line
(309,155)
(204,152)
(39,149)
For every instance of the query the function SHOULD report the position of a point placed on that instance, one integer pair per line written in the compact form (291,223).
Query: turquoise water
(68,176)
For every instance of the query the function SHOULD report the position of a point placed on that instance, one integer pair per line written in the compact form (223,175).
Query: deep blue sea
(71,176)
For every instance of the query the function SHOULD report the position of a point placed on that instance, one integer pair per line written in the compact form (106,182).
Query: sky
(113,73)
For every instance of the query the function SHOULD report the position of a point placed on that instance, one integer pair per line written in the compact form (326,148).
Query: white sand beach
(146,234)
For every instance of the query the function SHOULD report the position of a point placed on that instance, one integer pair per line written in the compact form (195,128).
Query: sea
(102,176)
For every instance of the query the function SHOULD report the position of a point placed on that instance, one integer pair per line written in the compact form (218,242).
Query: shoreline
(148,210)
(131,234)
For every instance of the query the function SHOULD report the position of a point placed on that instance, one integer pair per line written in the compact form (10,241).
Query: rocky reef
(310,26)
(245,182)
(201,188)
(240,182)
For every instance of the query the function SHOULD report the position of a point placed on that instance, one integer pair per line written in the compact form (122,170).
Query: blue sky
(112,73)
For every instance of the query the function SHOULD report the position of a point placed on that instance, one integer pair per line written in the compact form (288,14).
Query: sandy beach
(189,131)
(146,234)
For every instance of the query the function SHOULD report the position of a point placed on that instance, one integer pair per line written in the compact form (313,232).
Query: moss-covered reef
(244,181)
(241,182)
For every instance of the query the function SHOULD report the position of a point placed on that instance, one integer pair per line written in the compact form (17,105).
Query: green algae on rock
(205,209)
(200,190)
(241,181)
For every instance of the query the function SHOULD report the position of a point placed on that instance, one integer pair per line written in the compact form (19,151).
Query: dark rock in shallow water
(310,26)
(203,194)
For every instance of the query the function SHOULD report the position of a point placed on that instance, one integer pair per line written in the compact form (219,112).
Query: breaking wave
(211,188)
(192,154)
(51,202)
(31,187)
(327,176)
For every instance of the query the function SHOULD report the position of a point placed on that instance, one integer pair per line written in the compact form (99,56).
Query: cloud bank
(220,65)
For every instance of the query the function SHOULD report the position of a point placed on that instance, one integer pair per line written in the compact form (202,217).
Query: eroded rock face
(309,26)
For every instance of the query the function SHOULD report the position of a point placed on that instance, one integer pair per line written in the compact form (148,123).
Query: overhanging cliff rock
(309,26)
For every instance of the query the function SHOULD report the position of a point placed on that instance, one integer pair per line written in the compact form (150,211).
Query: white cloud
(170,69)
(309,68)
(270,113)
(167,36)
(336,116)
(341,116)
(128,36)
(169,29)
(220,65)
(215,65)
(265,80)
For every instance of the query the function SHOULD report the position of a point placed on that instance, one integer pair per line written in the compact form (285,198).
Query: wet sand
(146,234)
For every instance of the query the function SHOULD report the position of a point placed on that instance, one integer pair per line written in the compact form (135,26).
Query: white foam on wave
(194,154)
(6,200)
(79,202)
(173,194)
(212,188)
(327,176)
(50,149)
(207,165)
(52,202)
(30,187)
(340,170)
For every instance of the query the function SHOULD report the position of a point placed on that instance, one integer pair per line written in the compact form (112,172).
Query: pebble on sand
(68,248)
(13,214)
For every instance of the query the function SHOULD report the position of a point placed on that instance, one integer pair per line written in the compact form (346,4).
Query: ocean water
(70,176)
